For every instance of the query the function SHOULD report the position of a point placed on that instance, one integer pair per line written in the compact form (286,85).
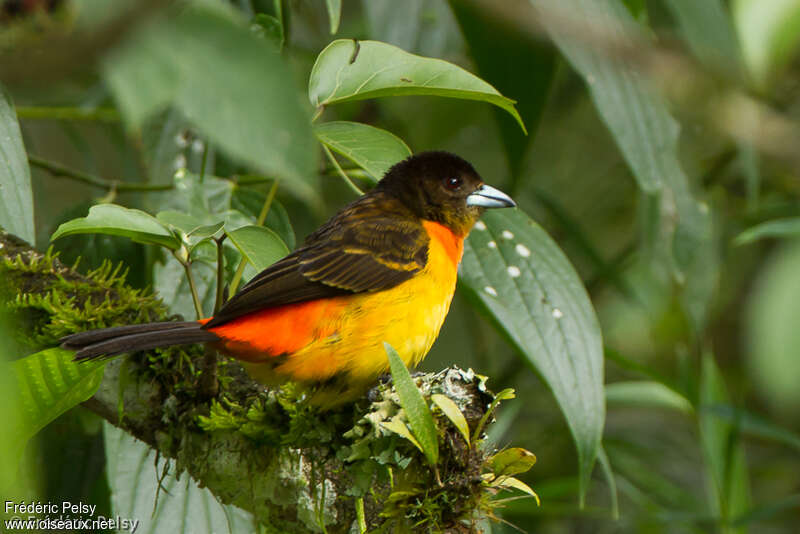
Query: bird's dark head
(444,188)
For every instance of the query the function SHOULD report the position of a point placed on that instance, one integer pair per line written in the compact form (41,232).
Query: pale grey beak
(488,197)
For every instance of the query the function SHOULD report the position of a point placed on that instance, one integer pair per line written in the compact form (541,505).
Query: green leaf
(16,197)
(348,70)
(754,425)
(250,202)
(179,220)
(400,428)
(769,32)
(708,29)
(516,62)
(372,149)
(419,415)
(334,14)
(647,393)
(722,447)
(451,411)
(772,332)
(117,220)
(647,136)
(269,28)
(249,106)
(515,483)
(47,384)
(182,507)
(788,227)
(510,462)
(521,277)
(261,246)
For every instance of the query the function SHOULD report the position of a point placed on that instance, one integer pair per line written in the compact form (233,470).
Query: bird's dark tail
(109,342)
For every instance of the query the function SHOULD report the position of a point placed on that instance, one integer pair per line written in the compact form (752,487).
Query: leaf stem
(67,113)
(341,172)
(237,277)
(203,162)
(59,171)
(198,308)
(220,274)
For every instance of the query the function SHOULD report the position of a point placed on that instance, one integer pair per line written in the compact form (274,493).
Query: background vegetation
(661,156)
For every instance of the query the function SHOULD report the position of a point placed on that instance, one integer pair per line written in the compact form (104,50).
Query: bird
(381,270)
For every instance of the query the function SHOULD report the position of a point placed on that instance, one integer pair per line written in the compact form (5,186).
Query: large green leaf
(647,136)
(348,70)
(117,220)
(167,504)
(527,284)
(226,81)
(516,62)
(16,197)
(769,31)
(48,384)
(372,149)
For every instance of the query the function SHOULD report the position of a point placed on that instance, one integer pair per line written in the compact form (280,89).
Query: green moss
(54,301)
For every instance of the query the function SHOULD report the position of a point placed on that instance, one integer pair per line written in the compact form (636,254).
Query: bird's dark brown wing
(371,245)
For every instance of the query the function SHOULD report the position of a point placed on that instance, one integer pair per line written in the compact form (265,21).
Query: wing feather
(373,244)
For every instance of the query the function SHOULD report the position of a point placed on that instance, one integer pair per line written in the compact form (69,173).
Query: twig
(237,277)
(341,172)
(198,307)
(220,273)
(67,113)
(60,171)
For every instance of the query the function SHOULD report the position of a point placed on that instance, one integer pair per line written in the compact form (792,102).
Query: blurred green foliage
(658,132)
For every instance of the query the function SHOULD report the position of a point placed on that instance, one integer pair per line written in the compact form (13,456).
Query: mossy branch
(267,452)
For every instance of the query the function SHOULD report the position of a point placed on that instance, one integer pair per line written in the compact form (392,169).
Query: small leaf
(269,28)
(117,220)
(788,227)
(261,246)
(646,393)
(418,414)
(517,484)
(334,14)
(16,196)
(348,70)
(400,428)
(372,149)
(518,274)
(505,394)
(48,384)
(206,230)
(450,409)
(179,220)
(250,202)
(512,462)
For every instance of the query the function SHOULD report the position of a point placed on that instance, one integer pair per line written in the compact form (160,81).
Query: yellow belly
(407,316)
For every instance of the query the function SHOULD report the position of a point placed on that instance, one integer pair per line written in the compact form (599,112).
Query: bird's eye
(452,183)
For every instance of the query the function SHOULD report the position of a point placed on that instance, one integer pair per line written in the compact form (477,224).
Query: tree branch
(60,171)
(265,451)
